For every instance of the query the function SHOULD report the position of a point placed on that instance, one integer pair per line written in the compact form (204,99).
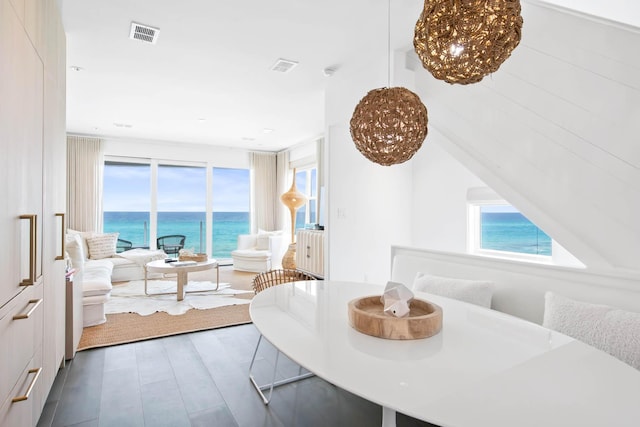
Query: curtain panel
(265,191)
(85,164)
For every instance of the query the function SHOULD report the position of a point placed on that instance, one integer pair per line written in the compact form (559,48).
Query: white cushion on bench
(478,292)
(607,328)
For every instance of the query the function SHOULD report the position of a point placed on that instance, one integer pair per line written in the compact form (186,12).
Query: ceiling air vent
(144,33)
(283,65)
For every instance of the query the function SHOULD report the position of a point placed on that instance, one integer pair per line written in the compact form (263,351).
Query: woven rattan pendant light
(389,124)
(461,41)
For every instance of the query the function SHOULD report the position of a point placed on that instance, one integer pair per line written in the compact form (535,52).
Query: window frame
(307,191)
(155,164)
(474,235)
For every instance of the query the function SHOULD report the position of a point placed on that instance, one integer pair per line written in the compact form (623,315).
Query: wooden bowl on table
(367,315)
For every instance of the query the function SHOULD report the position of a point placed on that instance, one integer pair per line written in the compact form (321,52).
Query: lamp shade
(461,41)
(389,125)
(293,199)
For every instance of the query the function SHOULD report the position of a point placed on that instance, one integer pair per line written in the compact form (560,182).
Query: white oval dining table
(485,368)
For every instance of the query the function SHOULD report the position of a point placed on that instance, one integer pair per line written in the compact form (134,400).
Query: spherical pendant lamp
(461,41)
(389,125)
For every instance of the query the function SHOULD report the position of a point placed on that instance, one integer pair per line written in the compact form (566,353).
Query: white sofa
(259,252)
(96,275)
(519,287)
(599,307)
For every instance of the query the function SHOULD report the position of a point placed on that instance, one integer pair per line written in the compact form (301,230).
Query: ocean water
(505,231)
(513,232)
(226,227)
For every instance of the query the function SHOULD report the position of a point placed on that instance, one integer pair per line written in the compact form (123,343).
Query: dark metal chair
(261,282)
(171,244)
(123,245)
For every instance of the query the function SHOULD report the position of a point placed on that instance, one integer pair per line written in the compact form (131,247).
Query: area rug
(231,308)
(131,327)
(131,298)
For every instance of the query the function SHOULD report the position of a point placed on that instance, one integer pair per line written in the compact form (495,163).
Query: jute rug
(130,327)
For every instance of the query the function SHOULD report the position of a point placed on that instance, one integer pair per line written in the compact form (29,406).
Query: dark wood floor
(197,379)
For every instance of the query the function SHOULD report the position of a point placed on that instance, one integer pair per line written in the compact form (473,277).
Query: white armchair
(259,252)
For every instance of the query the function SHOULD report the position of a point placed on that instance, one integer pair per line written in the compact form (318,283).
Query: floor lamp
(292,199)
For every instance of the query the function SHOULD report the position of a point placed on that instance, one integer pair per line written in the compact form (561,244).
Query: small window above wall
(496,228)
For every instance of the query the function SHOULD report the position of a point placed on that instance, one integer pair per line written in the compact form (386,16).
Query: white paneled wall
(555,132)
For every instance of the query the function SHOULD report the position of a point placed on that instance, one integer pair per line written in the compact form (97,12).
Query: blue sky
(180,189)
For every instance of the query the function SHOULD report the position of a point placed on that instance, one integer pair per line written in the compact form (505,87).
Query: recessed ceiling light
(122,125)
(202,120)
(76,68)
(267,130)
(246,138)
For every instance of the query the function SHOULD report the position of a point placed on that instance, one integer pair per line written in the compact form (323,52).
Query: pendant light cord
(389,43)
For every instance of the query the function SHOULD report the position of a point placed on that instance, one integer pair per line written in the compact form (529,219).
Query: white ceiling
(208,78)
(211,61)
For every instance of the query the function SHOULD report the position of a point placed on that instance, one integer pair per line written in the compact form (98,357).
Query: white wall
(217,156)
(440,186)
(554,132)
(369,206)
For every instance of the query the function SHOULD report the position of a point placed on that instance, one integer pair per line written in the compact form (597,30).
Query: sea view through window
(227,226)
(181,205)
(505,229)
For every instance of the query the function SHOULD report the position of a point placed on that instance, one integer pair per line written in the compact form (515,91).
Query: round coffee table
(182,270)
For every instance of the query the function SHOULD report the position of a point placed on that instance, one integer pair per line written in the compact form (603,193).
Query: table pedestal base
(181,282)
(388,417)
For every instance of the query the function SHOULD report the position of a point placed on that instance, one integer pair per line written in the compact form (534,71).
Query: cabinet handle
(62,228)
(33,220)
(26,315)
(25,396)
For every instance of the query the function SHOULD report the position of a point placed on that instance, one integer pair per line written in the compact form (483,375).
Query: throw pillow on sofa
(607,328)
(83,235)
(102,245)
(75,248)
(478,292)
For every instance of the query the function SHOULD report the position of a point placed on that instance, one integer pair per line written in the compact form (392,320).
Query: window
(503,228)
(182,192)
(181,204)
(498,229)
(307,183)
(231,201)
(127,201)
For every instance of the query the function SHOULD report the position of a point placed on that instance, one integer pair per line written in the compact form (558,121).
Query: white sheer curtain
(265,191)
(85,164)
